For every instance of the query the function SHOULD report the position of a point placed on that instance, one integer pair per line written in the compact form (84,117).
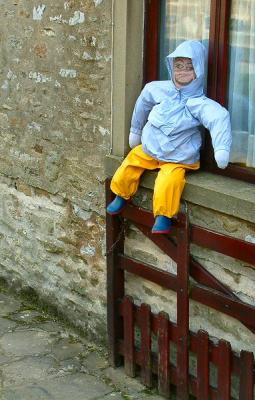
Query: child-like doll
(165,135)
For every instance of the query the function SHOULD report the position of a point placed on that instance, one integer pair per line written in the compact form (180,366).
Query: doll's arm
(222,158)
(216,119)
(134,139)
(143,106)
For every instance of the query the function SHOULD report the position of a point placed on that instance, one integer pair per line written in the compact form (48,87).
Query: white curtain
(241,102)
(183,20)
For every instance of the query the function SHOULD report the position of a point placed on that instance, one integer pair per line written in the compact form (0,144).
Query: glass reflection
(182,20)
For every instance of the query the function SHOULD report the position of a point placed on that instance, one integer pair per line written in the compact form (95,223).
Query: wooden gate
(125,318)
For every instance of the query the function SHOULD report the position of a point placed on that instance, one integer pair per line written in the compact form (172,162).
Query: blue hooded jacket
(168,118)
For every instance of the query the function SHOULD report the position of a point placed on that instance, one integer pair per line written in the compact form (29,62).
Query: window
(241,93)
(227,29)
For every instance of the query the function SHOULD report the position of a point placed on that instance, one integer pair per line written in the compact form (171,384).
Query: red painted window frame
(218,61)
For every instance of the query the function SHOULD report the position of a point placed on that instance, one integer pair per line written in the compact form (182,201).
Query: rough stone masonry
(55,61)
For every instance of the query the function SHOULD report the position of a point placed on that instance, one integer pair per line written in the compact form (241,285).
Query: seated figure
(165,135)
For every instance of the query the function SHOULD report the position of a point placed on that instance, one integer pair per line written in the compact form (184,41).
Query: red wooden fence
(124,317)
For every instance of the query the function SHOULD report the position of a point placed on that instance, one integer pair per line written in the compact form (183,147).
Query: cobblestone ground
(41,358)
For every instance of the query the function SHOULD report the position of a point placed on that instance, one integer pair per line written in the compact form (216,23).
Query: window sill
(229,196)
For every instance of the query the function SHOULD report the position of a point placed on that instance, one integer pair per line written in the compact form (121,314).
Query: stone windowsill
(226,195)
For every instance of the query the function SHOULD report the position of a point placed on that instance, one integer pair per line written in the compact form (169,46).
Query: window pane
(242,81)
(182,20)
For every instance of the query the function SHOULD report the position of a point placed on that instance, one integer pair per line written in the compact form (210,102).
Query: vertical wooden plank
(115,279)
(129,336)
(213,49)
(224,370)
(163,355)
(183,307)
(202,365)
(246,390)
(218,57)
(223,52)
(146,368)
(151,40)
(218,64)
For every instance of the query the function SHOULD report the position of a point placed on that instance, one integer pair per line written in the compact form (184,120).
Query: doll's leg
(168,189)
(125,181)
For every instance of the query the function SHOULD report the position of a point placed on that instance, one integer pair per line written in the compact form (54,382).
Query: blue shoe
(116,206)
(162,224)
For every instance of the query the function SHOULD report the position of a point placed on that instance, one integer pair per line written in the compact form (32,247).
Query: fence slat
(129,336)
(148,272)
(202,365)
(163,355)
(183,308)
(224,370)
(146,370)
(115,279)
(224,244)
(246,376)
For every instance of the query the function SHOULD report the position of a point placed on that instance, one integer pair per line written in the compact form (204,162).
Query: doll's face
(183,71)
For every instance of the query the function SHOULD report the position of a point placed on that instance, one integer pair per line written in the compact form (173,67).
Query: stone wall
(55,122)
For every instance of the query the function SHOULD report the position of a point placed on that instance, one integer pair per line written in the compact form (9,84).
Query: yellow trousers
(169,183)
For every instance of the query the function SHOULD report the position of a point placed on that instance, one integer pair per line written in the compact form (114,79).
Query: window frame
(126,69)
(218,61)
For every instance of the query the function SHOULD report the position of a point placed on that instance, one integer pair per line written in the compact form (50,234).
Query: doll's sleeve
(216,119)
(143,106)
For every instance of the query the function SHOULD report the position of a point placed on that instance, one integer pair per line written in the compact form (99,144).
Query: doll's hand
(134,139)
(222,158)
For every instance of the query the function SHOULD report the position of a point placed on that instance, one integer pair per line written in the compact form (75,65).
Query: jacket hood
(196,51)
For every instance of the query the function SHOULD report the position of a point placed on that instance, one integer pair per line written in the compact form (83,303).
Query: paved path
(42,359)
